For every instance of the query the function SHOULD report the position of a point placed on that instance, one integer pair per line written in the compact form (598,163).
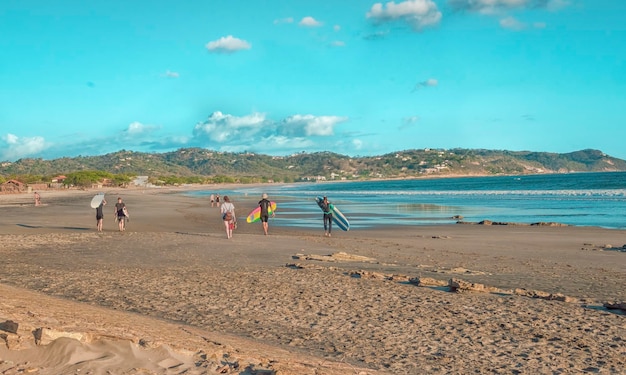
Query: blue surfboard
(338,216)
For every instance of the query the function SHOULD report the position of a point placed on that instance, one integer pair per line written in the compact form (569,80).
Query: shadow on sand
(49,227)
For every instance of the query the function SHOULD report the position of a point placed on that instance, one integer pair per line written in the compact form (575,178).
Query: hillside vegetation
(202,165)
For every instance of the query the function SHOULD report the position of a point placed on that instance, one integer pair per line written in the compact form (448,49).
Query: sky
(278,77)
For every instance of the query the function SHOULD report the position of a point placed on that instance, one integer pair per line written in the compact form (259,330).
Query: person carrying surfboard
(327,208)
(100,214)
(120,214)
(265,205)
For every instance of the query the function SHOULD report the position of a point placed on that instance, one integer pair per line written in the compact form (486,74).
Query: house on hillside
(140,181)
(12,186)
(57,182)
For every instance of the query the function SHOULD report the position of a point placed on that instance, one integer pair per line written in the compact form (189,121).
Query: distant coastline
(206,166)
(230,185)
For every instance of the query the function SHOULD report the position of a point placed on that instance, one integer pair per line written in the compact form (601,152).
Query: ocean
(580,199)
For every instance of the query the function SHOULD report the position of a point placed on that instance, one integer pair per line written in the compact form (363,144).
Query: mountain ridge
(187,162)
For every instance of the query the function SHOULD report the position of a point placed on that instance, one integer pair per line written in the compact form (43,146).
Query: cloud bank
(14,147)
(255,131)
(220,131)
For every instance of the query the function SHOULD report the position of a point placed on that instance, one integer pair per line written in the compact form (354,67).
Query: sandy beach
(172,295)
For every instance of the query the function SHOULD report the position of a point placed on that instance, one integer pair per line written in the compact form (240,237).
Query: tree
(85,178)
(121,180)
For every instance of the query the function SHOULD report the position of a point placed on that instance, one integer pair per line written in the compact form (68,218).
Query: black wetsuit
(265,209)
(100,212)
(328,217)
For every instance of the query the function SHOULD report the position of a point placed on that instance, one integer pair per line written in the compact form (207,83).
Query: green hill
(320,165)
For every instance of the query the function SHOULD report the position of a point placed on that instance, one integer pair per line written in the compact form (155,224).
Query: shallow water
(582,199)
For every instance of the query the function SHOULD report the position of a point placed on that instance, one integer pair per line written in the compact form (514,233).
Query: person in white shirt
(228,216)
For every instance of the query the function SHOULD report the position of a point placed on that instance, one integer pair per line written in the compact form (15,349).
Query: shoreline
(244,204)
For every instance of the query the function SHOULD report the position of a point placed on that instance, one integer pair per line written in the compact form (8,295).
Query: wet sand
(172,295)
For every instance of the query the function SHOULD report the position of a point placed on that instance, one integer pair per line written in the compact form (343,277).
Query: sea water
(581,199)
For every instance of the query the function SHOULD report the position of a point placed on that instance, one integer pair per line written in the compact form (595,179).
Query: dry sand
(171,295)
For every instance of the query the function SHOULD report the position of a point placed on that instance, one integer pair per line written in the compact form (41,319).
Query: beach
(172,295)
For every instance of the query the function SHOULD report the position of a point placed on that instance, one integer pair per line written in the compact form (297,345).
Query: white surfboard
(96,200)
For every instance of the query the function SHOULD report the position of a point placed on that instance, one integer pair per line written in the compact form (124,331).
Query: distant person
(212,198)
(100,215)
(120,214)
(217,199)
(228,216)
(327,207)
(265,204)
(37,199)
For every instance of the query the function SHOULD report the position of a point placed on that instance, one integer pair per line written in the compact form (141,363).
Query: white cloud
(430,82)
(283,20)
(496,6)
(309,22)
(15,147)
(357,144)
(338,43)
(539,25)
(228,44)
(221,127)
(136,128)
(171,74)
(314,125)
(512,24)
(336,27)
(291,143)
(417,13)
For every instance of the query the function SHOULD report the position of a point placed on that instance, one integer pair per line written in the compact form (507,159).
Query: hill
(320,165)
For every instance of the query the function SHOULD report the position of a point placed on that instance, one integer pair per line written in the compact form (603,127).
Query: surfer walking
(120,214)
(265,205)
(328,216)
(228,216)
(100,215)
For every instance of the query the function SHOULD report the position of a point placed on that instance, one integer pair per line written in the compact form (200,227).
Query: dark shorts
(264,218)
(98,217)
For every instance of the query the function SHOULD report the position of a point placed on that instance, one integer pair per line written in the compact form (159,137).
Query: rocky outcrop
(427,281)
(335,257)
(544,295)
(9,326)
(537,224)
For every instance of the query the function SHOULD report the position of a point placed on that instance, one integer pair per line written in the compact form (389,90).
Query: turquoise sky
(277,77)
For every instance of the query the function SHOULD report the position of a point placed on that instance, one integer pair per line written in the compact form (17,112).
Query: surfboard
(338,217)
(255,215)
(96,200)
